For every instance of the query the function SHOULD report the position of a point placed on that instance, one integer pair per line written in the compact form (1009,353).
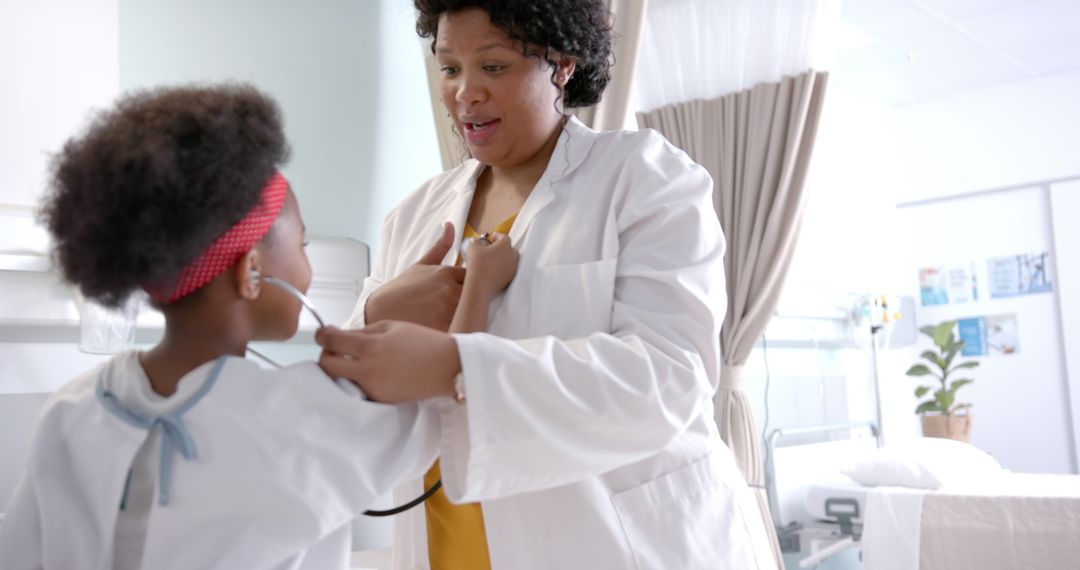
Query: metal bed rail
(770,454)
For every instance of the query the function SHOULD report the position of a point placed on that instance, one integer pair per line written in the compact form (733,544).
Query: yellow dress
(455,533)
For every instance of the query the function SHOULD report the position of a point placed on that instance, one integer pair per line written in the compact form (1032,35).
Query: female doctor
(580,432)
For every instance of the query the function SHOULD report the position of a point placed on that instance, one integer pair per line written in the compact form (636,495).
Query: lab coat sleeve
(377,276)
(546,411)
(20,532)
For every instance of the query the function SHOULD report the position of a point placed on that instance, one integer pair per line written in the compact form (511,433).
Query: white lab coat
(285,461)
(588,431)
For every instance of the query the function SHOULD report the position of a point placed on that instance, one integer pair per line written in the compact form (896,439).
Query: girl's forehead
(290,211)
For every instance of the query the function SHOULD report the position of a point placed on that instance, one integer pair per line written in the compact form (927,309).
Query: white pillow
(924,463)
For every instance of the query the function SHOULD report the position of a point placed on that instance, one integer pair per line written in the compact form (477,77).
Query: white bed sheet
(892,528)
(1017,520)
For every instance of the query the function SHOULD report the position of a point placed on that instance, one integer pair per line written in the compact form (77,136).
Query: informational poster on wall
(989,335)
(1019,275)
(945,284)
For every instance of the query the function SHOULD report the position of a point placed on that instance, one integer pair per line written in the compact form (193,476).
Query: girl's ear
(247,275)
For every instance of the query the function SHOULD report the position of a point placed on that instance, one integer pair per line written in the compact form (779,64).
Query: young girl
(187,455)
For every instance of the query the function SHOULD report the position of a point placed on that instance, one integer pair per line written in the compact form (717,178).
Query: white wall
(1065,208)
(407,152)
(1006,135)
(850,243)
(868,158)
(848,239)
(318,60)
(49,50)
(1021,406)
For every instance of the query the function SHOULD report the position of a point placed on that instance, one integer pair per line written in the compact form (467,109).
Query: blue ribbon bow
(174,433)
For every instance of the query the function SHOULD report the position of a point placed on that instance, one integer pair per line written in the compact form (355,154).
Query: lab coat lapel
(573,145)
(458,211)
(542,195)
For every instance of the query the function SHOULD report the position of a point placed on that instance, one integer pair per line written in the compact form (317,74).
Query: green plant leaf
(944,399)
(968,364)
(918,370)
(928,330)
(942,333)
(957,384)
(951,351)
(948,361)
(929,406)
(934,358)
(921,391)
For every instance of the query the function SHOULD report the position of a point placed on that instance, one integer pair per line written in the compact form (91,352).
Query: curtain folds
(700,49)
(756,144)
(614,111)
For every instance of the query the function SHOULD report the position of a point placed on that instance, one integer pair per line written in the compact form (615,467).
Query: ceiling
(896,52)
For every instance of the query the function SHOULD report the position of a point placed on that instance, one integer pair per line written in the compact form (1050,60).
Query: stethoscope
(345,385)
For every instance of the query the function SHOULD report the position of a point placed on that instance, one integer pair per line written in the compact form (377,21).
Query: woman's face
(503,103)
(282,255)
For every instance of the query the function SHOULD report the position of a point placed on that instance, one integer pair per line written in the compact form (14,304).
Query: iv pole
(874,329)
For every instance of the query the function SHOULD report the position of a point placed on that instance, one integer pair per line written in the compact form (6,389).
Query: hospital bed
(996,520)
(809,497)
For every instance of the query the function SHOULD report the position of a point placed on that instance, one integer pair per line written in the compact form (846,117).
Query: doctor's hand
(426,293)
(392,361)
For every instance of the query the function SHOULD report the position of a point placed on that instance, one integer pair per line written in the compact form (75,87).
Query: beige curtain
(757,145)
(611,113)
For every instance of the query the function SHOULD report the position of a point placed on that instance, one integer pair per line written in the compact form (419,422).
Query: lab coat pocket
(692,518)
(573,300)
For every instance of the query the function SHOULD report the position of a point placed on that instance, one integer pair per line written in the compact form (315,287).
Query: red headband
(230,246)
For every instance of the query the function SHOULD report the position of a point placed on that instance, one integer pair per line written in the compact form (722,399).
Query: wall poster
(989,335)
(946,284)
(1019,275)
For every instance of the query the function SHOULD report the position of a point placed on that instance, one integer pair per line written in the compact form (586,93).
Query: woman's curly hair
(155,180)
(575,28)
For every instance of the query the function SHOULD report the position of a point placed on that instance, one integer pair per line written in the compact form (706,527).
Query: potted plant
(942,415)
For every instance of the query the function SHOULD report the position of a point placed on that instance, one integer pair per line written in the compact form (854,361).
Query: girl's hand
(491,263)
(392,361)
